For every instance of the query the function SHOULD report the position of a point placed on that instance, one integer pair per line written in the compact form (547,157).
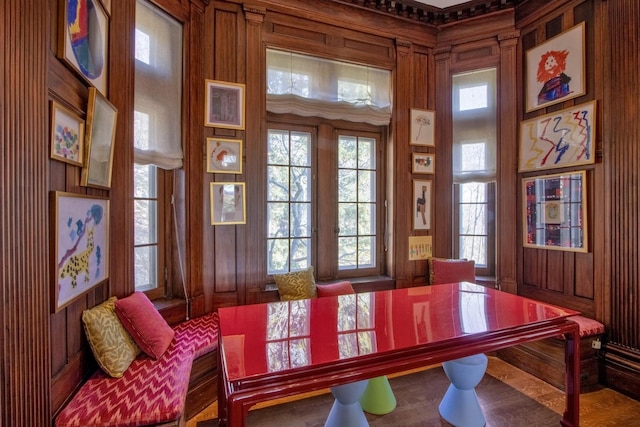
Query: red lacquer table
(282,349)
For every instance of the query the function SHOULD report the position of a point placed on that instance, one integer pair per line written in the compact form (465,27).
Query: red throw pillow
(451,271)
(145,324)
(333,289)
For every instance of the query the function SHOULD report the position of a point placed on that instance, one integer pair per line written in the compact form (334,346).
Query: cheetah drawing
(79,263)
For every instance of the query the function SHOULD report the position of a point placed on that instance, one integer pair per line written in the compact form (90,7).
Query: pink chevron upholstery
(588,327)
(149,392)
(201,333)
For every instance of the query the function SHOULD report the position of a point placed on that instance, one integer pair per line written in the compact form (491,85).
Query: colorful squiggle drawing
(563,138)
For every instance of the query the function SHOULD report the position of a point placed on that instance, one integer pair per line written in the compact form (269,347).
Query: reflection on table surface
(265,338)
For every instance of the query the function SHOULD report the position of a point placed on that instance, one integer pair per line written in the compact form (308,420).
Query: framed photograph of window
(423,163)
(224,155)
(227,203)
(560,139)
(423,127)
(67,135)
(421,204)
(84,40)
(555,69)
(224,105)
(100,137)
(555,211)
(80,245)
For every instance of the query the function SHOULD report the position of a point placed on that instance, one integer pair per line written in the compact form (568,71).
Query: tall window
(325,196)
(474,167)
(157,138)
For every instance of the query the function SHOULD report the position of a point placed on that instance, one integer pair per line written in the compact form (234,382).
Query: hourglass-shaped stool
(346,409)
(460,405)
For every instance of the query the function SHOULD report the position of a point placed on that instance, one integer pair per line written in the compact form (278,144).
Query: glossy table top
(263,339)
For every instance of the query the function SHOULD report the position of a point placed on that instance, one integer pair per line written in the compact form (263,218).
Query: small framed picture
(227,203)
(224,155)
(224,105)
(555,69)
(420,247)
(423,127)
(101,133)
(421,204)
(67,135)
(423,163)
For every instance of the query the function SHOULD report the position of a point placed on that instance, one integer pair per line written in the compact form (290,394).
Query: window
(474,167)
(325,139)
(157,139)
(346,198)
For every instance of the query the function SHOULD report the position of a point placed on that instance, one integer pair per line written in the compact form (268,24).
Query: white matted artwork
(423,127)
(80,235)
(224,155)
(421,204)
(423,163)
(555,69)
(227,203)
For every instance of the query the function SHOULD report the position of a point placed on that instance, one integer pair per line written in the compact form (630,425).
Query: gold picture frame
(228,203)
(555,69)
(67,135)
(423,127)
(224,105)
(80,245)
(224,155)
(555,211)
(100,138)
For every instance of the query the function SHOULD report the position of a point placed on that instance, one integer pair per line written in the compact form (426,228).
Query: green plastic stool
(378,398)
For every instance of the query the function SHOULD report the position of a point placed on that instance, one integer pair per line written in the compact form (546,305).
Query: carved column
(507,179)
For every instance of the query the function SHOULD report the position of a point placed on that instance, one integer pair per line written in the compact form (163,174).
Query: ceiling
(442,3)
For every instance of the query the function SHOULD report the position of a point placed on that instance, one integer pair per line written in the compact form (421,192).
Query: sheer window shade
(309,86)
(158,88)
(474,126)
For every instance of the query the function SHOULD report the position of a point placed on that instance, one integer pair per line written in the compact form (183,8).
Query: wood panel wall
(621,291)
(24,285)
(45,355)
(564,278)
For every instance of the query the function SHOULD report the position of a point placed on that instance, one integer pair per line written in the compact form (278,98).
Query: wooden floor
(601,408)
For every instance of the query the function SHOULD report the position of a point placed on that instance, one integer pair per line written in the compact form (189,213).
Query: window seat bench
(150,392)
(545,358)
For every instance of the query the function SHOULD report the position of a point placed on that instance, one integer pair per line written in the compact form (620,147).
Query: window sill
(173,310)
(360,284)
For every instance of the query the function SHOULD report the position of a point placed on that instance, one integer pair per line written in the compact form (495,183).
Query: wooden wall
(564,278)
(45,355)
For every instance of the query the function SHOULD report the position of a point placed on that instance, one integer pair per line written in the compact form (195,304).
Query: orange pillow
(334,289)
(145,324)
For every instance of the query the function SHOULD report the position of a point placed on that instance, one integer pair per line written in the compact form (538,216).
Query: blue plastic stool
(346,410)
(460,405)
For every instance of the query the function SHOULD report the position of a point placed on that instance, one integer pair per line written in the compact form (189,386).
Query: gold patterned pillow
(111,344)
(296,285)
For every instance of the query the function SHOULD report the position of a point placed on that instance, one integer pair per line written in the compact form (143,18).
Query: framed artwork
(100,136)
(80,240)
(423,163)
(227,203)
(421,204)
(84,40)
(420,247)
(560,139)
(224,155)
(555,211)
(555,69)
(107,6)
(224,105)
(423,127)
(67,135)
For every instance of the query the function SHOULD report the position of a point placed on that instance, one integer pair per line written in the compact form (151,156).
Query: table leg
(346,410)
(572,363)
